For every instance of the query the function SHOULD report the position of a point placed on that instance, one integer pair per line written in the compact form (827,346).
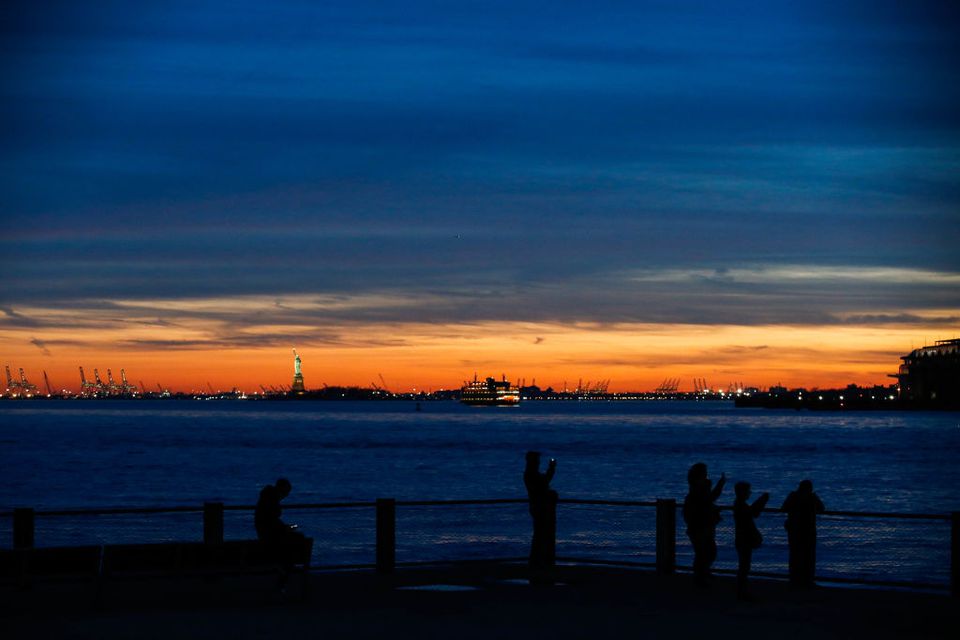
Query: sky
(757,192)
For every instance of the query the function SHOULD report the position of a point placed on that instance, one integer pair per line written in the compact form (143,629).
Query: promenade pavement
(491,602)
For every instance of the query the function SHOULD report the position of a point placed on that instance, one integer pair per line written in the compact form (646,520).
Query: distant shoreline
(828,400)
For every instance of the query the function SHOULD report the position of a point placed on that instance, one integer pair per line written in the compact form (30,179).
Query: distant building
(930,376)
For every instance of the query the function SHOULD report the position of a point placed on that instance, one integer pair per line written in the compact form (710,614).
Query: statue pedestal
(297,386)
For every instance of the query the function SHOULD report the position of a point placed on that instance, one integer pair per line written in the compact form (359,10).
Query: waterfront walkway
(475,601)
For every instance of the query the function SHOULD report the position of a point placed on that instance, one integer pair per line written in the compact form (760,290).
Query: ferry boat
(490,392)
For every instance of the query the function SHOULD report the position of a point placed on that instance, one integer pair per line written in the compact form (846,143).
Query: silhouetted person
(802,507)
(282,541)
(747,536)
(702,516)
(543,510)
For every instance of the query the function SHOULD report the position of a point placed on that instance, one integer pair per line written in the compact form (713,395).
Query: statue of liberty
(297,386)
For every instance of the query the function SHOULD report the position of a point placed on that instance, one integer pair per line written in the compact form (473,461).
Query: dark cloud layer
(488,160)
(40,344)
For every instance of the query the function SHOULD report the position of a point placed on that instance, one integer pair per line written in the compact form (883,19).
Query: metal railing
(857,547)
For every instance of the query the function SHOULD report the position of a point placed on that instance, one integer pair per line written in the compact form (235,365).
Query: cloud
(259,340)
(737,349)
(40,344)
(473,163)
(13,318)
(901,319)
(157,322)
(746,295)
(789,274)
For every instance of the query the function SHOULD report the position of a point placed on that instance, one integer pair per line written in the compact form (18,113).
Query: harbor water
(91,454)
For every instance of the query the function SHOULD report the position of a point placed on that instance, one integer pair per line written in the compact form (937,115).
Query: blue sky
(666,162)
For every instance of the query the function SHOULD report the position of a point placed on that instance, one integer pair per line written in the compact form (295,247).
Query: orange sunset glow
(428,356)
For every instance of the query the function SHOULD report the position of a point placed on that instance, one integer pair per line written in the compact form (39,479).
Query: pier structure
(396,581)
(478,601)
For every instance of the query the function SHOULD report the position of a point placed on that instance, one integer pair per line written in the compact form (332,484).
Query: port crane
(112,386)
(11,385)
(46,381)
(25,385)
(669,385)
(126,387)
(86,387)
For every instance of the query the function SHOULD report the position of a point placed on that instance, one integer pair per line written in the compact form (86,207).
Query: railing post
(955,552)
(666,535)
(552,530)
(213,522)
(22,528)
(386,534)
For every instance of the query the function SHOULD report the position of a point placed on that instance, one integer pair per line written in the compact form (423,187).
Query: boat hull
(503,402)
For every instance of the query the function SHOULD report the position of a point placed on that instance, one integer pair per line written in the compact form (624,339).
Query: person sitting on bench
(284,543)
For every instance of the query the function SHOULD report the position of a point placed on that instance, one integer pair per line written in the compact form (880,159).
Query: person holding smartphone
(282,541)
(702,515)
(543,510)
